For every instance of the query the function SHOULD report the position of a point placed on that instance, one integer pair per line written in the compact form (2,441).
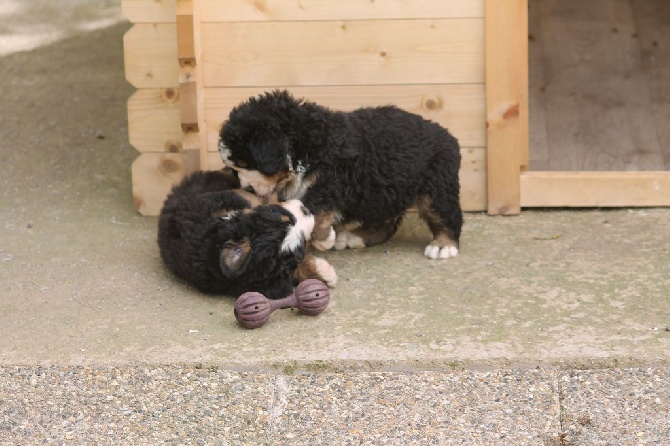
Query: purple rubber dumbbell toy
(252,309)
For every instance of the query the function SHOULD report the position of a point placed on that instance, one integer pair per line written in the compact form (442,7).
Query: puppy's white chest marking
(300,169)
(299,183)
(301,230)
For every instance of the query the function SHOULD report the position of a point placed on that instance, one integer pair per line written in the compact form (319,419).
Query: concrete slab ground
(550,328)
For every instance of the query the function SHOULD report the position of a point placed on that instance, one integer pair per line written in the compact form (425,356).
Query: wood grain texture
(150,55)
(154,174)
(507,102)
(472,177)
(539,145)
(308,10)
(186,39)
(595,189)
(149,11)
(652,20)
(154,120)
(188,86)
(343,52)
(598,105)
(459,108)
(199,76)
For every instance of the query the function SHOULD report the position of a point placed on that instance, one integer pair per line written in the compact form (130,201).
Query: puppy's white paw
(328,243)
(326,272)
(437,252)
(355,242)
(341,240)
(346,239)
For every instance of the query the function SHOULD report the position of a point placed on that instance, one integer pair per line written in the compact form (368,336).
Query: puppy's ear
(235,257)
(269,147)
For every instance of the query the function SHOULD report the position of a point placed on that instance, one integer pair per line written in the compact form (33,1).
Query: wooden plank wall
(154,121)
(424,56)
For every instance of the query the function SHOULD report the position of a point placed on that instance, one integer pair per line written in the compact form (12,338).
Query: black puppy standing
(226,241)
(358,171)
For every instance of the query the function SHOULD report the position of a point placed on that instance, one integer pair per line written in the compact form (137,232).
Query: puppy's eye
(241,163)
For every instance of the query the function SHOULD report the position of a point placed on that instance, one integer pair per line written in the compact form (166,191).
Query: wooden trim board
(595,189)
(507,102)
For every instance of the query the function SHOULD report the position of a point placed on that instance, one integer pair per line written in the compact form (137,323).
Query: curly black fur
(369,165)
(210,236)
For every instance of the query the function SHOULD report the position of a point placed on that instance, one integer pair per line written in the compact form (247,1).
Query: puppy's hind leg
(369,234)
(446,229)
(439,206)
(345,237)
(323,235)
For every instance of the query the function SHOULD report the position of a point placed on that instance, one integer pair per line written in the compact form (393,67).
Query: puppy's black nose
(305,211)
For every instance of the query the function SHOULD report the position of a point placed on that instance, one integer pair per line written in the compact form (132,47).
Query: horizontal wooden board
(371,52)
(459,108)
(154,174)
(595,189)
(306,10)
(472,177)
(149,11)
(163,11)
(153,120)
(150,55)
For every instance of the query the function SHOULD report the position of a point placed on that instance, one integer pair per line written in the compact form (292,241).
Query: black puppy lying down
(224,240)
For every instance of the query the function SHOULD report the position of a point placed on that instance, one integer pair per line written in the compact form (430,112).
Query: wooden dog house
(462,63)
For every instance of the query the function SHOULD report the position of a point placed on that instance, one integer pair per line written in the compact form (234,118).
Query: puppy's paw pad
(437,252)
(326,272)
(328,243)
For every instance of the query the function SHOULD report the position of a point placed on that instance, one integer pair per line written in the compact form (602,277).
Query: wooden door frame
(510,185)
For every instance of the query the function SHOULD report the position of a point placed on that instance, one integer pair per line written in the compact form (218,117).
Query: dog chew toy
(252,309)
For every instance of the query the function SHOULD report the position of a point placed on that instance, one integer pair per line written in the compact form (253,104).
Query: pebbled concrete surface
(99,344)
(629,406)
(207,406)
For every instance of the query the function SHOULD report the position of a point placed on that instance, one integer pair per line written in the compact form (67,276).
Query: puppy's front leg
(323,235)
(316,268)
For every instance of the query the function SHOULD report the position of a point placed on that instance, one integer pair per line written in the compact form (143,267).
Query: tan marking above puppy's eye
(285,218)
